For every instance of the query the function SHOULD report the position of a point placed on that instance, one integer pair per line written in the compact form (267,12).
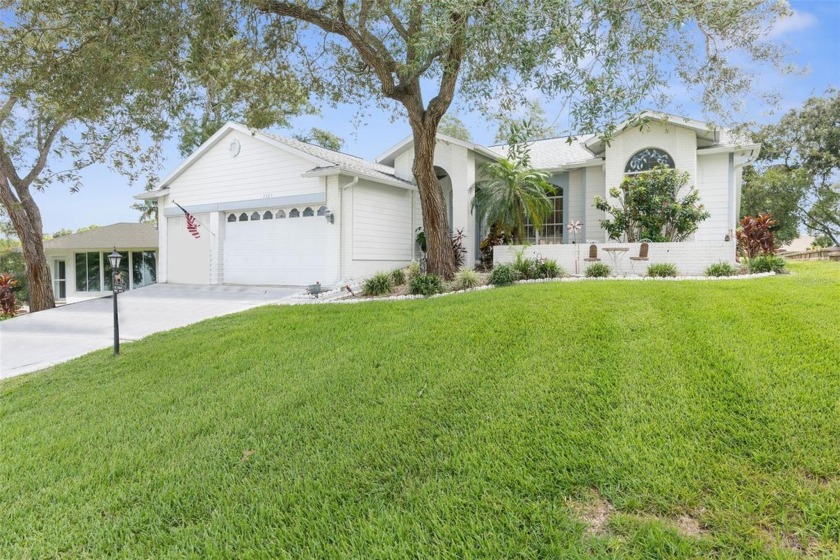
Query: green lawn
(606,419)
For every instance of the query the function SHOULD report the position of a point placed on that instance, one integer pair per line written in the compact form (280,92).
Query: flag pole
(196,219)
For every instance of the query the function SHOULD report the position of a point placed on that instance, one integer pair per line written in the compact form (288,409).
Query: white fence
(690,257)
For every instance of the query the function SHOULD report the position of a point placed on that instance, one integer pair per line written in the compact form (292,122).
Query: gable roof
(398,148)
(121,235)
(322,159)
(705,131)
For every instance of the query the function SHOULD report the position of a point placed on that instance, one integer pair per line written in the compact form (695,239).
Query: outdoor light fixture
(115,265)
(329,216)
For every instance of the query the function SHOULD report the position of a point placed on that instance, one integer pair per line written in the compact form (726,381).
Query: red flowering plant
(755,236)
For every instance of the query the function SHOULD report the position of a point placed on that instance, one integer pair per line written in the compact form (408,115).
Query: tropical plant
(549,268)
(513,194)
(598,270)
(8,302)
(421,238)
(425,285)
(650,207)
(755,236)
(458,250)
(398,277)
(496,236)
(377,285)
(413,270)
(721,269)
(503,275)
(525,268)
(466,279)
(662,270)
(765,263)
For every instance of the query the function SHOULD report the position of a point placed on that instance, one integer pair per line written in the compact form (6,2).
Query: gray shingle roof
(554,152)
(122,235)
(341,160)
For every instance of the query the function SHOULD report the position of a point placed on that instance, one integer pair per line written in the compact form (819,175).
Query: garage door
(286,248)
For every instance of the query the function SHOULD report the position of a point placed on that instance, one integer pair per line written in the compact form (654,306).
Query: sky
(106,197)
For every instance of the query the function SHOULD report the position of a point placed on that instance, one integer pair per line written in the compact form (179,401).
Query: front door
(60,280)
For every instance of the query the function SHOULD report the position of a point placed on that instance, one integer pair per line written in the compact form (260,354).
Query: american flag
(192,226)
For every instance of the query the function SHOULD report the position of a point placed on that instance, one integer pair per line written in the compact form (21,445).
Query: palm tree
(511,195)
(148,211)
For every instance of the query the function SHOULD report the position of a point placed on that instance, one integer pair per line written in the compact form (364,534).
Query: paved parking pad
(32,342)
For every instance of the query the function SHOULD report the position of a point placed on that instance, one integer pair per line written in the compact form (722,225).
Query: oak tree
(601,58)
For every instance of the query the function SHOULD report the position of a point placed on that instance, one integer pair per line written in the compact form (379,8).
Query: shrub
(662,270)
(755,236)
(8,303)
(503,275)
(413,269)
(398,277)
(458,250)
(466,279)
(525,267)
(425,285)
(765,263)
(598,270)
(721,269)
(377,285)
(550,269)
(649,207)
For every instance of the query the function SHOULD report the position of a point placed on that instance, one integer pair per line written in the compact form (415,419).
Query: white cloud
(797,21)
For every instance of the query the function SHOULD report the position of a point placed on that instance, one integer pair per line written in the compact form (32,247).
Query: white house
(276,211)
(79,265)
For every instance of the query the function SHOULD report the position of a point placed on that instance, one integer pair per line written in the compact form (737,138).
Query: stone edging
(339,296)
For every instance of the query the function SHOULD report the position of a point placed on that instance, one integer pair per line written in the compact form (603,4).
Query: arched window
(243,217)
(294,213)
(255,216)
(322,210)
(232,217)
(308,212)
(281,214)
(647,159)
(267,215)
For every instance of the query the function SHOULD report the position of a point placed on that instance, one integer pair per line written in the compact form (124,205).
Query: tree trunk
(26,220)
(37,273)
(440,258)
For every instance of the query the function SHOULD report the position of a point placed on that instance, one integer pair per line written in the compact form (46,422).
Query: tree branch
(452,67)
(43,152)
(375,55)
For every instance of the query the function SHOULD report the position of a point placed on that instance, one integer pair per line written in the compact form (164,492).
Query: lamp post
(115,265)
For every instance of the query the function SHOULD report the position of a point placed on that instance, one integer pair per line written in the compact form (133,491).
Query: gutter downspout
(341,251)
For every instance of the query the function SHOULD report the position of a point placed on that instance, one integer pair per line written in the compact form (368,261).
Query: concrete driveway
(32,342)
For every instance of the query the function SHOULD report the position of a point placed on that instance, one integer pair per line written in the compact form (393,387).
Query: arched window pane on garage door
(243,217)
(308,212)
(294,213)
(267,215)
(281,214)
(255,216)
(232,218)
(647,159)
(322,210)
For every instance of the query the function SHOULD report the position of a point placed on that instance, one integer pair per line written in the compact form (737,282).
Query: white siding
(713,186)
(260,170)
(188,258)
(575,203)
(594,187)
(381,223)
